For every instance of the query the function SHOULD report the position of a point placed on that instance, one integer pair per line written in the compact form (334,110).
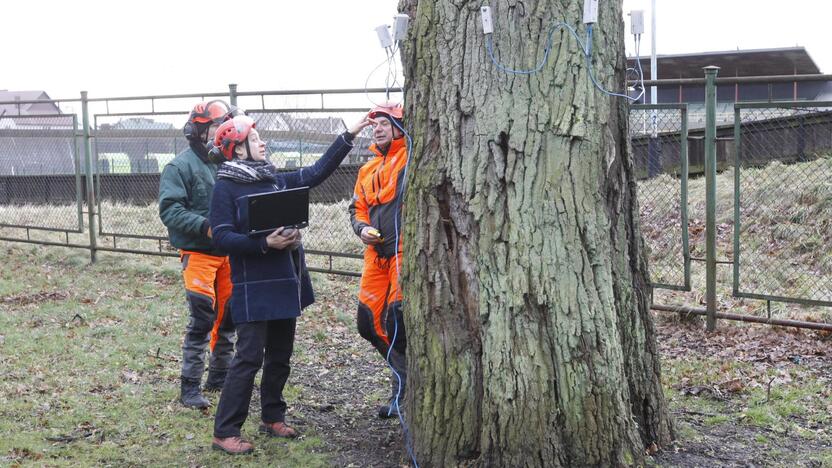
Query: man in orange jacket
(375,214)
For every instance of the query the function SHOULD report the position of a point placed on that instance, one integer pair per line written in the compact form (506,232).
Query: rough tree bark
(530,341)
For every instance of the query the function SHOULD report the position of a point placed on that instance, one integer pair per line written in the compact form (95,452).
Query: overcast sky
(117,48)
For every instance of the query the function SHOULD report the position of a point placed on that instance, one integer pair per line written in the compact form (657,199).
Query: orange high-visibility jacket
(376,197)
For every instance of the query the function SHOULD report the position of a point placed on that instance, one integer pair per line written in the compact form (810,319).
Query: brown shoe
(278,429)
(232,445)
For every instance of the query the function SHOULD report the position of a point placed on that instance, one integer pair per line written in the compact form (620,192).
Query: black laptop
(271,210)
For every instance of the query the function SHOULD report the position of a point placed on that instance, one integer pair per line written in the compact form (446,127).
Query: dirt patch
(340,381)
(733,445)
(34,298)
(743,343)
(782,376)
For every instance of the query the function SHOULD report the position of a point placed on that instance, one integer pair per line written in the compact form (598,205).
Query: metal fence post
(89,175)
(232,93)
(710,195)
(683,154)
(737,193)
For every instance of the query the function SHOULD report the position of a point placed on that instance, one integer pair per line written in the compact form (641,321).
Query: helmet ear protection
(215,153)
(190,130)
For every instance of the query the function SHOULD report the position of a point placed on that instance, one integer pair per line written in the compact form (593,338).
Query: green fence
(41,166)
(783,202)
(114,161)
(658,137)
(757,226)
(749,203)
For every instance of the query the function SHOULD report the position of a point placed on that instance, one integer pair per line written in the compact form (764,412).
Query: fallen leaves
(84,431)
(20,454)
(35,298)
(733,386)
(748,344)
(129,376)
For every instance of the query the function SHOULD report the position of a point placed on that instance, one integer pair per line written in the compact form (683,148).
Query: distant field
(329,229)
(119,163)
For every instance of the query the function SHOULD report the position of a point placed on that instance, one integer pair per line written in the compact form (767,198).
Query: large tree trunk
(530,341)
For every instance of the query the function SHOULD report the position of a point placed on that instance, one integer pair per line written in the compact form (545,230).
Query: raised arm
(326,165)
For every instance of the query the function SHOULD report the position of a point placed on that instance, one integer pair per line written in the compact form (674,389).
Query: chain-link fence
(783,202)
(131,141)
(41,177)
(658,137)
(129,151)
(131,148)
(772,174)
(44,188)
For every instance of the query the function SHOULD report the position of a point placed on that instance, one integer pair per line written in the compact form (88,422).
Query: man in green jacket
(185,191)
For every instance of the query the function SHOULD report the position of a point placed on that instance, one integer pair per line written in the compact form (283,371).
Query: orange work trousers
(207,281)
(379,300)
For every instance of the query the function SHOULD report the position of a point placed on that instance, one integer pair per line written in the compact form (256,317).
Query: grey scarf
(246,172)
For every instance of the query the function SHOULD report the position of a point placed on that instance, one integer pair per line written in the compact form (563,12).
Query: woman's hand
(363,123)
(370,236)
(283,238)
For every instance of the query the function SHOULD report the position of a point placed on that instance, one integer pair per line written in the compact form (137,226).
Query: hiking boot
(215,381)
(390,410)
(278,429)
(232,445)
(190,396)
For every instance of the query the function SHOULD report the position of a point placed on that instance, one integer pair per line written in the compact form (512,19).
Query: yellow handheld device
(374,232)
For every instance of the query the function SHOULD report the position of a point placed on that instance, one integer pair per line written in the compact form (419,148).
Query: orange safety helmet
(231,133)
(204,114)
(216,111)
(389,109)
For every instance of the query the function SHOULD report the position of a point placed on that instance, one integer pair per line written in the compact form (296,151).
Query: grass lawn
(90,363)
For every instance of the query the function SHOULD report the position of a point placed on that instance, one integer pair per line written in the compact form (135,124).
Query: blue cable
(397,212)
(585,48)
(546,50)
(395,402)
(536,69)
(588,56)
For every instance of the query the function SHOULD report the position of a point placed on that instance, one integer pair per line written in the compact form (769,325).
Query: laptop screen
(271,210)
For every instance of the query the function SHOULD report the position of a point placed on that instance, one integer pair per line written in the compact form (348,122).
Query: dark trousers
(393,321)
(197,336)
(268,344)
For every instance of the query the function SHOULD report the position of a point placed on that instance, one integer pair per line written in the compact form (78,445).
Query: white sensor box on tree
(590,11)
(384,36)
(400,27)
(637,22)
(487,25)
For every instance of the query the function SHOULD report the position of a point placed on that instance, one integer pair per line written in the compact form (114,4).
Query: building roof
(138,123)
(753,62)
(26,109)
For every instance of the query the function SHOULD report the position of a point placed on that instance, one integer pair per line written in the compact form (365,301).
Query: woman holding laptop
(271,284)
